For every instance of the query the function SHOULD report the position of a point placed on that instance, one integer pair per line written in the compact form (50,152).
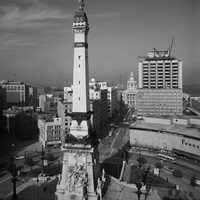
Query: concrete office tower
(159,102)
(160,85)
(79,160)
(160,70)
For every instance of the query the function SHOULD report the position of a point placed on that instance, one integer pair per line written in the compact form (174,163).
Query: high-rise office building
(159,102)
(160,85)
(160,70)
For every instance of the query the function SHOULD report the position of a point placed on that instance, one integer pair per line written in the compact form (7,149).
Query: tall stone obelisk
(78,179)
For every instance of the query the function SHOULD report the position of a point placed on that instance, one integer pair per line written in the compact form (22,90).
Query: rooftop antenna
(120,77)
(171,47)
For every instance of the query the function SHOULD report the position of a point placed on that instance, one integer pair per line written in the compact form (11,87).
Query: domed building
(130,92)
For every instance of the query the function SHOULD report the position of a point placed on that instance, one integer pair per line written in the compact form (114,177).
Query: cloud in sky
(15,16)
(39,16)
(36,35)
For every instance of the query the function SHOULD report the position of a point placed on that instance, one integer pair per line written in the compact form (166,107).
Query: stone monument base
(79,173)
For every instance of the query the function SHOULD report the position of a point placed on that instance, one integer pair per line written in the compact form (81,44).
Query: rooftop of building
(156,55)
(65,101)
(51,121)
(46,117)
(192,131)
(12,82)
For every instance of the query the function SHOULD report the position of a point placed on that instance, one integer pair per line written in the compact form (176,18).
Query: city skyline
(36,38)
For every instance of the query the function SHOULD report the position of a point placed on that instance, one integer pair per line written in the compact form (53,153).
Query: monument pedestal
(78,173)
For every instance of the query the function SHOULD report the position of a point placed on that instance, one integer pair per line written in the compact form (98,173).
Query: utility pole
(13,171)
(42,158)
(14,179)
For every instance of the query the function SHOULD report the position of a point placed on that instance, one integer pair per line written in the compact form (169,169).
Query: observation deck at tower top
(80,19)
(80,14)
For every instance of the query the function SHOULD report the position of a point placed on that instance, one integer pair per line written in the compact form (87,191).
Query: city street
(34,151)
(166,171)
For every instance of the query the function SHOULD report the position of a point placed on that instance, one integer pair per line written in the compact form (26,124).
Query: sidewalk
(21,188)
(31,182)
(121,191)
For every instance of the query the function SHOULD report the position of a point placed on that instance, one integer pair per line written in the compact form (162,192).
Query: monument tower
(78,179)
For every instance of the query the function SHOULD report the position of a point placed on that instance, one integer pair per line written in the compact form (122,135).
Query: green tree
(159,165)
(25,126)
(141,161)
(193,181)
(178,173)
(30,162)
(50,157)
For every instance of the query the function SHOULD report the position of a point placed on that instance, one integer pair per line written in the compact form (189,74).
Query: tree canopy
(25,126)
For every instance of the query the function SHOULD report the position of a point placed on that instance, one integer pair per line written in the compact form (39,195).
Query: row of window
(68,124)
(163,63)
(12,87)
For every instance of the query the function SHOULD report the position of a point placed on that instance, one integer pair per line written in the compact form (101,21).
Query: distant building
(98,104)
(20,94)
(50,131)
(48,103)
(159,102)
(130,93)
(2,99)
(112,100)
(42,102)
(32,97)
(112,94)
(160,70)
(99,107)
(58,93)
(178,135)
(2,105)
(103,85)
(68,94)
(64,109)
(160,85)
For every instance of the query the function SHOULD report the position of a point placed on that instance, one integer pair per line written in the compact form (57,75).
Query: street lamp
(14,180)
(13,171)
(143,181)
(139,192)
(148,188)
(42,157)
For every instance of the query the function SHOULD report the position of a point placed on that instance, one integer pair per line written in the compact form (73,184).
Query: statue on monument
(82,4)
(77,178)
